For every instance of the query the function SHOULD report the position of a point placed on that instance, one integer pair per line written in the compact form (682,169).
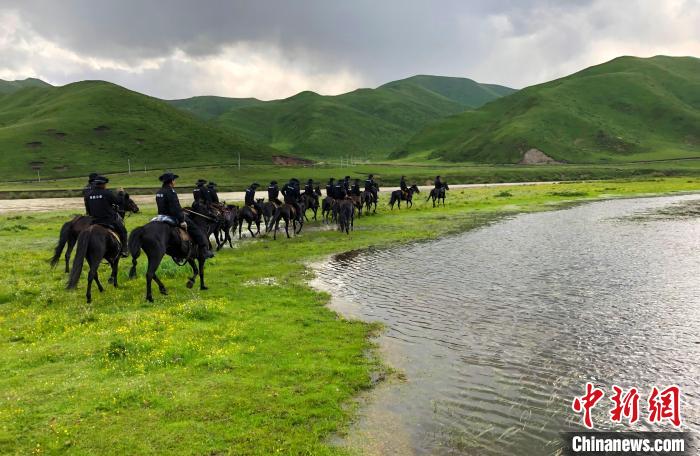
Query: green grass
(74,129)
(365,123)
(252,366)
(628,109)
(230,178)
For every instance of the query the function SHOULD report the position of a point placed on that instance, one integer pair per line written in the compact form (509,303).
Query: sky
(274,49)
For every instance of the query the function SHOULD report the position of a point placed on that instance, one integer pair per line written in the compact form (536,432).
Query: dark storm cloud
(511,42)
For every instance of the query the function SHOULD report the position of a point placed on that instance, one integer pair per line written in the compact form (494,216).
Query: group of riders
(101,203)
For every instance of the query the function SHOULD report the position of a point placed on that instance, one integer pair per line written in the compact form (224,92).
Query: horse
(288,213)
(357,202)
(157,239)
(268,211)
(230,222)
(368,200)
(328,210)
(95,243)
(70,230)
(346,215)
(310,201)
(247,214)
(438,194)
(397,196)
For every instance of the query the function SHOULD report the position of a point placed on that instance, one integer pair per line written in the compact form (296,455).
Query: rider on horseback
(404,187)
(169,205)
(329,187)
(339,190)
(202,197)
(250,198)
(371,186)
(346,185)
(101,207)
(309,188)
(88,188)
(291,195)
(273,193)
(355,189)
(214,195)
(438,183)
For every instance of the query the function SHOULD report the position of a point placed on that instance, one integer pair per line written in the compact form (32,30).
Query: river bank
(255,365)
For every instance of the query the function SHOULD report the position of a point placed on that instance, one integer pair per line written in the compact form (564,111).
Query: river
(496,330)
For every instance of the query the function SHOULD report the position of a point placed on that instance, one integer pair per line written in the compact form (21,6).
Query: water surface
(497,329)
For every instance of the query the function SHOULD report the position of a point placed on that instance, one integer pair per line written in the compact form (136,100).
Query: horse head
(415,188)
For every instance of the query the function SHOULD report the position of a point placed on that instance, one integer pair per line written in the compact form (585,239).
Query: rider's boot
(207,253)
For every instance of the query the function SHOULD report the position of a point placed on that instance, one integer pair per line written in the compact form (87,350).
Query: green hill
(628,109)
(93,125)
(13,86)
(209,107)
(365,123)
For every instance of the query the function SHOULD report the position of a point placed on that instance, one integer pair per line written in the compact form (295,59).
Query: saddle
(252,209)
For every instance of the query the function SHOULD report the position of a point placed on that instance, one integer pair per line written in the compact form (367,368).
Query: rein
(201,215)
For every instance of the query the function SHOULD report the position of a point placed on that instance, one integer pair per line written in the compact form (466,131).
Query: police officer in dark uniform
(329,187)
(250,198)
(88,188)
(199,193)
(309,187)
(370,186)
(346,185)
(404,187)
(273,193)
(101,207)
(292,194)
(213,193)
(169,204)
(339,190)
(355,189)
(438,183)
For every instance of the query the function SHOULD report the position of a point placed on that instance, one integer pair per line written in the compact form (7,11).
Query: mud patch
(284,160)
(537,157)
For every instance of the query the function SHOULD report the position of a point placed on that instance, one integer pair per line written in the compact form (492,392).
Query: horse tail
(62,239)
(77,269)
(134,242)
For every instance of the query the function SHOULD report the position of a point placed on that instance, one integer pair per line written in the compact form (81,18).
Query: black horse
(368,199)
(438,194)
(95,243)
(328,210)
(230,222)
(310,201)
(397,196)
(248,215)
(158,239)
(70,230)
(268,211)
(346,215)
(288,213)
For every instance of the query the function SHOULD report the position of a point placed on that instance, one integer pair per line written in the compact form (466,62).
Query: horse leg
(69,249)
(195,271)
(286,227)
(240,228)
(201,274)
(153,263)
(115,268)
(250,222)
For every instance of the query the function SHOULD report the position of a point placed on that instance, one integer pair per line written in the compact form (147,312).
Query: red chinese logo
(665,405)
(626,406)
(586,402)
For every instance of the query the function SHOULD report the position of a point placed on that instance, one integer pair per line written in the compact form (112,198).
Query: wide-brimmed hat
(92,176)
(201,181)
(211,184)
(100,180)
(273,182)
(255,184)
(294,179)
(347,177)
(167,177)
(331,179)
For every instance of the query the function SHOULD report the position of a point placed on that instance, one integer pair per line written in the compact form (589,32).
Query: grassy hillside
(365,123)
(209,107)
(628,109)
(13,86)
(93,125)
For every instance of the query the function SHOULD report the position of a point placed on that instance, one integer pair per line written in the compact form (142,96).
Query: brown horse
(95,243)
(288,213)
(247,214)
(71,230)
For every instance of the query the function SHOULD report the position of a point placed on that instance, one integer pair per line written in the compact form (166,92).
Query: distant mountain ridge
(627,109)
(13,86)
(364,123)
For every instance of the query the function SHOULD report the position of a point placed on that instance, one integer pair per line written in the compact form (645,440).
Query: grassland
(255,365)
(70,130)
(628,109)
(230,178)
